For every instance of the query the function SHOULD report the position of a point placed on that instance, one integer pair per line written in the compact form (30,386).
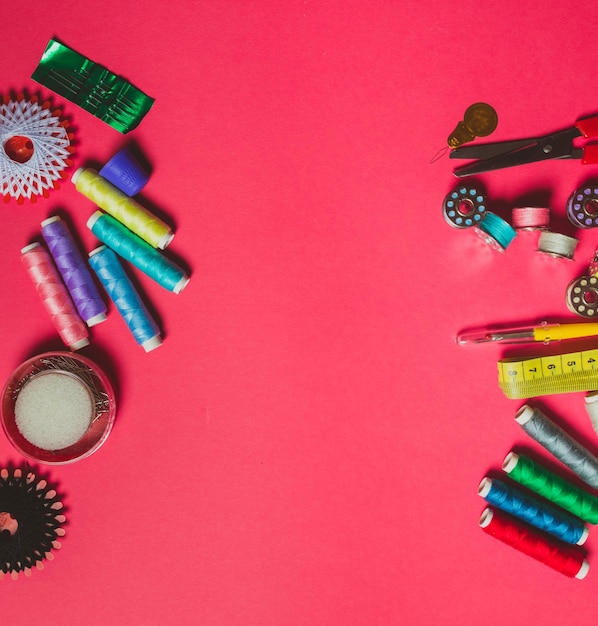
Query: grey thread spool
(559,443)
(557,245)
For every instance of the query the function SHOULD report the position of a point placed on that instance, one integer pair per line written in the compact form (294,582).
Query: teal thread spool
(139,253)
(497,233)
(551,486)
(127,300)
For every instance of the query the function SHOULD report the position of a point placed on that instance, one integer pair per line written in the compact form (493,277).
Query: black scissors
(501,154)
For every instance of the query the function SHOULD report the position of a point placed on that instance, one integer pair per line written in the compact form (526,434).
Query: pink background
(305,448)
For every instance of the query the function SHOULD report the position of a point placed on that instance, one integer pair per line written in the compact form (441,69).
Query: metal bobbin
(464,207)
(557,245)
(497,233)
(582,296)
(530,218)
(582,207)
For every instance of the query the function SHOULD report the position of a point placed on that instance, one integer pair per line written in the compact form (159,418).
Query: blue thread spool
(139,253)
(74,271)
(497,233)
(122,292)
(464,207)
(125,172)
(534,510)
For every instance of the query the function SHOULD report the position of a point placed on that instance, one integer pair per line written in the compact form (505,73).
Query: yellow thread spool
(123,208)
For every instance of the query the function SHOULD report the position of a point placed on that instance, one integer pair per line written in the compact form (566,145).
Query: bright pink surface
(305,448)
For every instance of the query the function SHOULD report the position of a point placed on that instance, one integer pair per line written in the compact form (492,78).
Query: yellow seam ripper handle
(559,332)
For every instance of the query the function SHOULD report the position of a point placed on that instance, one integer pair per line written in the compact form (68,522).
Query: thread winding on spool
(582,207)
(582,296)
(74,271)
(127,211)
(565,559)
(54,296)
(557,245)
(552,486)
(140,254)
(31,521)
(497,233)
(591,404)
(530,218)
(125,172)
(559,443)
(464,207)
(122,292)
(535,511)
(35,148)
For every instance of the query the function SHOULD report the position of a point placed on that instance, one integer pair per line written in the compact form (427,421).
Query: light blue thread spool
(559,443)
(122,292)
(497,233)
(139,253)
(534,510)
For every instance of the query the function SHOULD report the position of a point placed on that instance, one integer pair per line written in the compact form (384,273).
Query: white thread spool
(557,245)
(591,402)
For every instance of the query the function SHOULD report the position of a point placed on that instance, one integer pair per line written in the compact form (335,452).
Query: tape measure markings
(529,377)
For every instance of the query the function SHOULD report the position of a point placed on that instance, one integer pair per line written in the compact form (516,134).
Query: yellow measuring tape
(542,376)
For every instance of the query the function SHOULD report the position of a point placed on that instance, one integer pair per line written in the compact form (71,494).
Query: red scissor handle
(588,126)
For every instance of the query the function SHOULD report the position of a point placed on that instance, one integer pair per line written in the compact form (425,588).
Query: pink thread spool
(530,218)
(55,296)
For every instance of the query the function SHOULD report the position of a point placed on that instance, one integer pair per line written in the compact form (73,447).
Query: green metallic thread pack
(91,86)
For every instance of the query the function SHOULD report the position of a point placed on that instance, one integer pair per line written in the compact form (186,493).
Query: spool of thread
(54,296)
(557,245)
(535,511)
(530,218)
(565,559)
(497,233)
(582,207)
(582,296)
(125,172)
(140,254)
(464,207)
(74,270)
(126,210)
(593,267)
(559,443)
(591,403)
(552,486)
(128,302)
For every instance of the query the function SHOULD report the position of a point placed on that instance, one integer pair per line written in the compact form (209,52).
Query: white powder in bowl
(53,410)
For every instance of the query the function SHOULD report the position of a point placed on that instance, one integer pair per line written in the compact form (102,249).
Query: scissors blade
(489,150)
(556,146)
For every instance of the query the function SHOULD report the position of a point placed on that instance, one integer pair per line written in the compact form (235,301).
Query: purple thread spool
(74,271)
(124,171)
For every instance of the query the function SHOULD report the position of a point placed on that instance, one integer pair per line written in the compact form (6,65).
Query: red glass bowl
(91,376)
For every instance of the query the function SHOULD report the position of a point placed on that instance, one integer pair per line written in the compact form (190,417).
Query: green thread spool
(551,486)
(126,210)
(137,252)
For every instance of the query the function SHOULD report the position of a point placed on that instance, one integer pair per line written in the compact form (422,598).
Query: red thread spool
(562,558)
(55,296)
(530,218)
